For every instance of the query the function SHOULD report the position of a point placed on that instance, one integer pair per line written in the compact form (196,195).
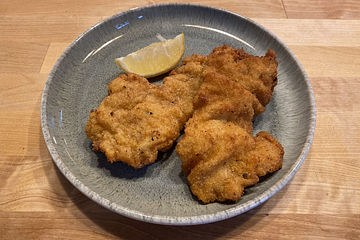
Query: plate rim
(172,220)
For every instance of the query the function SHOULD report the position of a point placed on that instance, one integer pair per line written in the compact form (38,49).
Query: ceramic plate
(159,193)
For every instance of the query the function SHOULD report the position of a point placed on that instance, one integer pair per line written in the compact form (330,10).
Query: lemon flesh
(155,59)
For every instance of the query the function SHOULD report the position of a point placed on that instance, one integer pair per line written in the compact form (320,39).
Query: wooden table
(322,201)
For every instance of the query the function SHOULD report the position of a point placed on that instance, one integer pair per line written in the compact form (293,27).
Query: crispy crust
(218,152)
(221,94)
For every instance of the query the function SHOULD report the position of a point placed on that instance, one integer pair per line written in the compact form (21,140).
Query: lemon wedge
(154,59)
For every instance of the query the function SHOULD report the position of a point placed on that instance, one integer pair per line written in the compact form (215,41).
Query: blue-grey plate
(159,193)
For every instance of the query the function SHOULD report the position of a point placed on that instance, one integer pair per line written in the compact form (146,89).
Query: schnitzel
(216,98)
(137,119)
(218,152)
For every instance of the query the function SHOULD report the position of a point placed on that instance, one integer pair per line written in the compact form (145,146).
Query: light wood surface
(321,202)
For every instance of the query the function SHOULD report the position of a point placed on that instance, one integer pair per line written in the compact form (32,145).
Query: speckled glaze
(159,193)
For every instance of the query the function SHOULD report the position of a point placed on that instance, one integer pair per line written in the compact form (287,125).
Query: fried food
(221,108)
(137,119)
(222,173)
(218,152)
(216,97)
(256,74)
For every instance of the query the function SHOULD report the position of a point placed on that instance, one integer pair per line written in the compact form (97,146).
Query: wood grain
(321,202)
(333,9)
(107,225)
(66,7)
(267,8)
(53,53)
(318,60)
(14,56)
(315,32)
(26,29)
(322,61)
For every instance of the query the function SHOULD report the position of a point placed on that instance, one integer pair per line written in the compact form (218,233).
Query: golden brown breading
(227,159)
(268,154)
(218,152)
(256,74)
(131,125)
(183,84)
(212,149)
(137,119)
(219,99)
